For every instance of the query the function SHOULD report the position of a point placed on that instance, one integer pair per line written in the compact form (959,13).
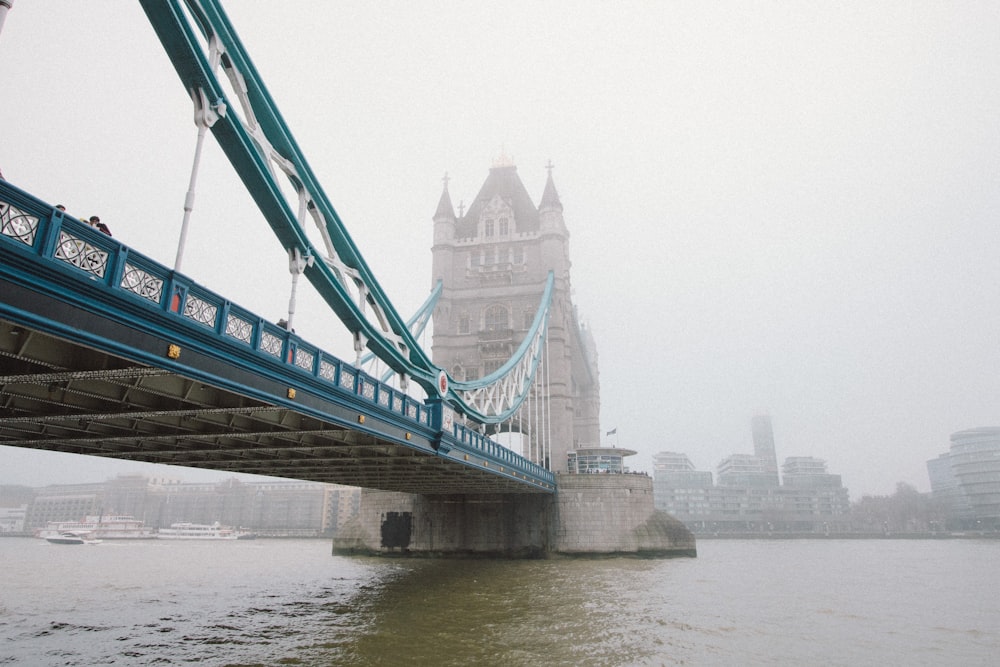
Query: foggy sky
(787,208)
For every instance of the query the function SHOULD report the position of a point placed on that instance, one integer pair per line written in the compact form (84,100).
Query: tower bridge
(106,352)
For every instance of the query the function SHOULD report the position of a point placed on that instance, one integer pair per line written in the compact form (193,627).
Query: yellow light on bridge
(174,351)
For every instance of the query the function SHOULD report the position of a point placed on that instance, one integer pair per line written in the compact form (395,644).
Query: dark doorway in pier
(396,530)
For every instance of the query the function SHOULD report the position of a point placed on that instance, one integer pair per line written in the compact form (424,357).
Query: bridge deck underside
(60,396)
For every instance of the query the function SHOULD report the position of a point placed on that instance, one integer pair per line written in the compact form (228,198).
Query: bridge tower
(493,260)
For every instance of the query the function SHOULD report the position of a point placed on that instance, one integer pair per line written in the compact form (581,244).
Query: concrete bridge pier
(591,515)
(501,525)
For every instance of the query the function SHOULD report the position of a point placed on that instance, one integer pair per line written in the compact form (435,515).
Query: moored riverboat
(101,527)
(199,531)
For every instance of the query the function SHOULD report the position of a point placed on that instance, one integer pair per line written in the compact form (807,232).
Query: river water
(289,602)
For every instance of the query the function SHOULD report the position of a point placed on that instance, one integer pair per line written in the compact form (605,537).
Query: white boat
(198,531)
(101,527)
(70,537)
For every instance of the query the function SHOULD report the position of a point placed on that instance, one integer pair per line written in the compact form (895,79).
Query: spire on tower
(550,198)
(445,209)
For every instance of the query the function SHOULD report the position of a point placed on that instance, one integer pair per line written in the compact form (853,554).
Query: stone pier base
(614,515)
(591,515)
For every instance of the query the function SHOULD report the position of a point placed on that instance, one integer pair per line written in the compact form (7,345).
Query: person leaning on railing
(96,222)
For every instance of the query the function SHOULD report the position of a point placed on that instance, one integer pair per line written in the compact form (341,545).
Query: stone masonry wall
(614,514)
(500,525)
(591,515)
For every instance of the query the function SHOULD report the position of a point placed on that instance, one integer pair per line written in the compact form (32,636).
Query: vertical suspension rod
(5,6)
(189,197)
(548,404)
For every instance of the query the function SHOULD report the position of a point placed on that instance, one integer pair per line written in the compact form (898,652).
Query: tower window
(488,228)
(463,323)
(496,318)
(504,227)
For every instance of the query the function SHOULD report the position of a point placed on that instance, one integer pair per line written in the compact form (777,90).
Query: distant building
(763,446)
(750,496)
(947,493)
(745,470)
(64,502)
(966,479)
(680,489)
(808,473)
(12,519)
(677,470)
(285,508)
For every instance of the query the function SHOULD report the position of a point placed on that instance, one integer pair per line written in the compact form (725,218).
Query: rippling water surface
(289,602)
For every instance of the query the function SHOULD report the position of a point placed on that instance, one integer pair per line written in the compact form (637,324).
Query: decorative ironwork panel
(327,371)
(81,254)
(17,224)
(346,379)
(270,344)
(368,390)
(238,328)
(142,282)
(304,359)
(200,311)
(383,398)
(397,403)
(411,411)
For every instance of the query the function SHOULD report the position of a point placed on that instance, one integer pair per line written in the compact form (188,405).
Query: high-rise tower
(493,261)
(763,445)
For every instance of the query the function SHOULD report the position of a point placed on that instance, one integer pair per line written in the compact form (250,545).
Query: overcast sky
(781,207)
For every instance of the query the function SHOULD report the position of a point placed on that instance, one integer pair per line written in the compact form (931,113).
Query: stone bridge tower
(493,260)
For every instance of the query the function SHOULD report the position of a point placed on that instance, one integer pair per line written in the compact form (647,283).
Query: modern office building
(750,497)
(807,472)
(745,470)
(966,479)
(763,445)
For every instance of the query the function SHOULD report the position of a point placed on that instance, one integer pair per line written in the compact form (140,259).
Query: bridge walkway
(107,353)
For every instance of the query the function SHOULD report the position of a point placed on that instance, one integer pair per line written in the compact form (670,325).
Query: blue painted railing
(73,251)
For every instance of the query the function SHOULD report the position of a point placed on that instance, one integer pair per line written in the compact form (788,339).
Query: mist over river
(289,602)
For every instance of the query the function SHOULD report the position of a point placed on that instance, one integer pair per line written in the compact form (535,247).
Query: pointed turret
(550,213)
(445,211)
(550,198)
(444,219)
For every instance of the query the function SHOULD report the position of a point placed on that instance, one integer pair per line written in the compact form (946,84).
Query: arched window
(496,318)
(488,227)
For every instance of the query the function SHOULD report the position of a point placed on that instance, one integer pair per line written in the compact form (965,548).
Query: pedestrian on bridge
(96,222)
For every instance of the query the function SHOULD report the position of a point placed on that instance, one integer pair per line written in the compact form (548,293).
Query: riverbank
(964,535)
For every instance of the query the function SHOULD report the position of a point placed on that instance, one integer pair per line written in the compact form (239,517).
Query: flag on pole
(612,431)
